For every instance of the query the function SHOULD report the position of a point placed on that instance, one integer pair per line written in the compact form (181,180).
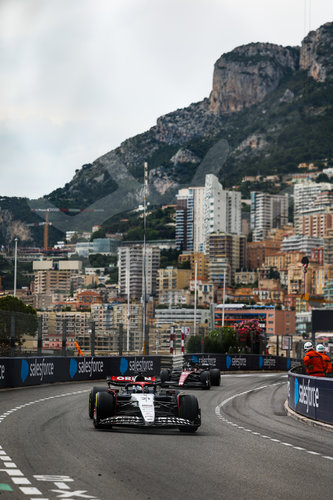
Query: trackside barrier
(311,396)
(18,372)
(247,362)
(26,371)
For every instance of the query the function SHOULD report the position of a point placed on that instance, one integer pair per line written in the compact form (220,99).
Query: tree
(194,344)
(221,340)
(16,320)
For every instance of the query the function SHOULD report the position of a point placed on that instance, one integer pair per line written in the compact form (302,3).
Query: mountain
(270,109)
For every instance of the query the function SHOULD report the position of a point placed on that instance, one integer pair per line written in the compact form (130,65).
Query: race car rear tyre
(92,398)
(215,376)
(104,408)
(164,375)
(189,409)
(205,379)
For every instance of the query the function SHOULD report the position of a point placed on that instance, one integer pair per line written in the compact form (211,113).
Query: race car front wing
(158,422)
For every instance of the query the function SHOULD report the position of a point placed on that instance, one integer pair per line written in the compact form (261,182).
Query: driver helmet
(320,348)
(308,346)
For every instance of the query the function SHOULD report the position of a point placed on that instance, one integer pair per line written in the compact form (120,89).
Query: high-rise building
(230,246)
(268,211)
(131,270)
(204,210)
(189,225)
(308,195)
(222,208)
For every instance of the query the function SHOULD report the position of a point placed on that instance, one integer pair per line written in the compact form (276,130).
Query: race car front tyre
(215,376)
(104,408)
(189,409)
(92,398)
(205,379)
(164,375)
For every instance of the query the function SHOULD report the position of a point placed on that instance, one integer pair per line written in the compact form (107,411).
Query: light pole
(195,298)
(15,267)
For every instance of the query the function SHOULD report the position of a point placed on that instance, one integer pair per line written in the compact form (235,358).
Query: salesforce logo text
(2,372)
(269,363)
(238,362)
(90,367)
(41,369)
(308,396)
(141,365)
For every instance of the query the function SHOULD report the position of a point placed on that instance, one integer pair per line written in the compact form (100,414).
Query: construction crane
(47,223)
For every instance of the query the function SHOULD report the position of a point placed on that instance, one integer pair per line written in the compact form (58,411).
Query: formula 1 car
(193,374)
(143,404)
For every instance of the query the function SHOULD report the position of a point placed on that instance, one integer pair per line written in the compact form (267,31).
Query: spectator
(327,362)
(313,361)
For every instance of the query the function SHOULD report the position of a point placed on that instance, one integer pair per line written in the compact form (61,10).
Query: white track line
(258,434)
(11,469)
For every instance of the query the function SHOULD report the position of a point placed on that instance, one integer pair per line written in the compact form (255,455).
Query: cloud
(78,77)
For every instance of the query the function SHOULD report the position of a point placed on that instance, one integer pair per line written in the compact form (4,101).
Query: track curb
(306,420)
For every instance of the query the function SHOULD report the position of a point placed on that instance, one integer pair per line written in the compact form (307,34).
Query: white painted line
(62,486)
(10,465)
(12,472)
(20,480)
(274,440)
(30,491)
(5,458)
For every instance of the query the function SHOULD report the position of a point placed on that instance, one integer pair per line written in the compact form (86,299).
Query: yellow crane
(47,222)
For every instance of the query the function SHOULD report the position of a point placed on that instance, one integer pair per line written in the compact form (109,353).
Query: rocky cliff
(246,75)
(257,107)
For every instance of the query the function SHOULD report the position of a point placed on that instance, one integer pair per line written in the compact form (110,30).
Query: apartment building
(197,260)
(131,270)
(189,219)
(222,208)
(257,251)
(301,244)
(172,278)
(230,246)
(268,211)
(307,194)
(316,225)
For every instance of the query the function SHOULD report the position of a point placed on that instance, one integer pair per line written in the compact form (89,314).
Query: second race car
(192,374)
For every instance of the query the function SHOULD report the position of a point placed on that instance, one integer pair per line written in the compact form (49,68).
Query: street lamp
(15,267)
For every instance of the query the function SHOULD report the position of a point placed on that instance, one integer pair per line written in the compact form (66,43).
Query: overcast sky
(78,77)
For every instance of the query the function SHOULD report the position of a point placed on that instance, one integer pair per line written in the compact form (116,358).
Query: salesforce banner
(235,362)
(311,396)
(18,372)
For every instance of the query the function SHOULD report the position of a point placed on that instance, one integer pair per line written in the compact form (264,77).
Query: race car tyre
(205,379)
(215,376)
(104,408)
(189,409)
(164,375)
(92,398)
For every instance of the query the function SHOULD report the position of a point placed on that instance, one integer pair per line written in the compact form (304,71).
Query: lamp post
(15,267)
(195,298)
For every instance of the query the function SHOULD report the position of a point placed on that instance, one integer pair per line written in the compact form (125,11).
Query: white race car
(143,404)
